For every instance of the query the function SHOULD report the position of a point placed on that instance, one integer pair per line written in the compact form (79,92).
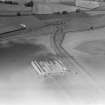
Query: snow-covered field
(89,49)
(19,85)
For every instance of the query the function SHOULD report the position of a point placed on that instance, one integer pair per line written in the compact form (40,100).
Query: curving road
(56,41)
(70,62)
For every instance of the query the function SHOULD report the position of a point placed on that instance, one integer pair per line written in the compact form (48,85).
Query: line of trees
(9,2)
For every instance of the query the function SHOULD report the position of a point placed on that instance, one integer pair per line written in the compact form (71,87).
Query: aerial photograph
(52,52)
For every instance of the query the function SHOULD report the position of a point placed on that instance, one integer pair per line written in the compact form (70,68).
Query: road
(56,41)
(74,67)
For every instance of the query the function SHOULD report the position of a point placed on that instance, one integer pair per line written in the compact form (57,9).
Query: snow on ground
(89,49)
(19,85)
